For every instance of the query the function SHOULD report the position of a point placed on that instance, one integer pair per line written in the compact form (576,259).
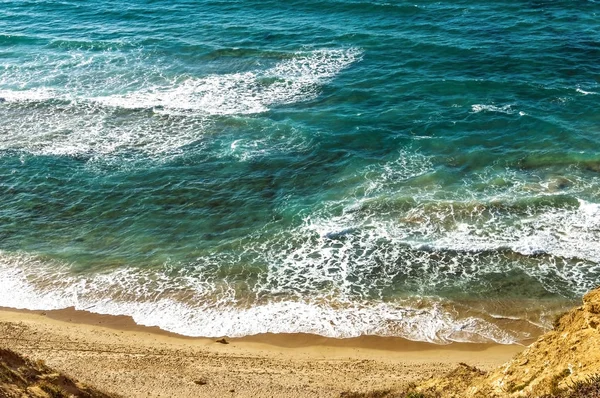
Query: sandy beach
(119,356)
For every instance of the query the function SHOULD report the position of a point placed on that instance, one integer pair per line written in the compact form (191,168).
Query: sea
(420,169)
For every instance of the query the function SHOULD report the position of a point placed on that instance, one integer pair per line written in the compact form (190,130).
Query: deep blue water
(427,170)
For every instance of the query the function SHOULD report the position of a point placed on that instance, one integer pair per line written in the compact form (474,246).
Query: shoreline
(287,340)
(113,352)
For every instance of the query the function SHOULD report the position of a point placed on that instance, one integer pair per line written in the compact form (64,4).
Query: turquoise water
(427,170)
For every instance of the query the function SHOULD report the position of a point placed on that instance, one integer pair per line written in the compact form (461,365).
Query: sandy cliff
(560,361)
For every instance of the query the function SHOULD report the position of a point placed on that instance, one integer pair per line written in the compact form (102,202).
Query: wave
(581,91)
(156,118)
(289,81)
(185,303)
(84,130)
(426,270)
(507,109)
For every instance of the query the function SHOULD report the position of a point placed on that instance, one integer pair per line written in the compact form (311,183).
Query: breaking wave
(156,115)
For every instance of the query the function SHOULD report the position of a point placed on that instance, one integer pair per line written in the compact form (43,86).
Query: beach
(354,194)
(118,356)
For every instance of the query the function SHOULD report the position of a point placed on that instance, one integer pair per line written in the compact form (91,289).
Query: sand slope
(21,377)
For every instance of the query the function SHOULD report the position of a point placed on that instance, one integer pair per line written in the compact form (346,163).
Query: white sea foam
(371,238)
(581,91)
(405,166)
(164,114)
(189,305)
(294,80)
(345,270)
(350,246)
(492,108)
(73,129)
(328,276)
(31,95)
(562,232)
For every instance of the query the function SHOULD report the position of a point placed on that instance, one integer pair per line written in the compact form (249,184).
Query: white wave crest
(507,109)
(29,95)
(581,91)
(294,80)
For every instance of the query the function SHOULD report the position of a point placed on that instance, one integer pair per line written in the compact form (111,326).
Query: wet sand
(117,355)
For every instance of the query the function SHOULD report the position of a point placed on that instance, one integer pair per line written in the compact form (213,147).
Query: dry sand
(118,356)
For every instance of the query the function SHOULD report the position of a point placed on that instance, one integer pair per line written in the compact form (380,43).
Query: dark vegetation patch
(587,388)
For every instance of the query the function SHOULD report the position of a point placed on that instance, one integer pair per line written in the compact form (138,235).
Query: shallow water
(425,170)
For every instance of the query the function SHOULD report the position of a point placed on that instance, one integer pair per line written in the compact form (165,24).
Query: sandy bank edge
(117,355)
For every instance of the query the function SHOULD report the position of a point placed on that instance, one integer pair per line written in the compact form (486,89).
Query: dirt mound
(21,377)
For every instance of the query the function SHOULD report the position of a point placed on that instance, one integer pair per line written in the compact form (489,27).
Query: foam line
(31,283)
